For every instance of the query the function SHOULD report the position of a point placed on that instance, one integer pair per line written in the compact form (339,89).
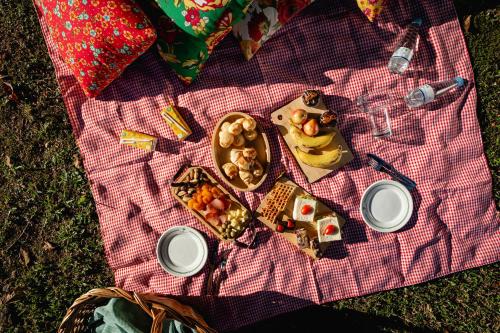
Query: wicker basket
(157,307)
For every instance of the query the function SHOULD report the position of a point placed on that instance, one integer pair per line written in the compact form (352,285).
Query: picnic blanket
(332,47)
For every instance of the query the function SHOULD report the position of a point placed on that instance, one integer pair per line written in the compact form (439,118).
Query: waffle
(277,200)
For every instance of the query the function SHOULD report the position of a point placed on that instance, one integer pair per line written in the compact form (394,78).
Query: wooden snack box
(235,204)
(281,118)
(310,227)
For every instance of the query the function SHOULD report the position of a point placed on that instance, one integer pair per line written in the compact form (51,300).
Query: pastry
(328,229)
(311,97)
(249,124)
(239,141)
(246,176)
(235,128)
(225,139)
(302,238)
(243,163)
(250,153)
(250,135)
(304,209)
(258,170)
(230,170)
(224,126)
(234,155)
(328,118)
(240,120)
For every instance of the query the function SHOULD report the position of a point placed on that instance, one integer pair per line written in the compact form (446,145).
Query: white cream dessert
(328,229)
(304,209)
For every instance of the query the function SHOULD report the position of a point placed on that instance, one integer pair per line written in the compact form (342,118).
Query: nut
(181,193)
(186,198)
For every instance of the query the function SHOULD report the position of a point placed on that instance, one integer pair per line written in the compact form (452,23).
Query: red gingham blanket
(330,46)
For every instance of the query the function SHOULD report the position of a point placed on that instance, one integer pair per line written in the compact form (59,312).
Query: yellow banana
(305,141)
(325,160)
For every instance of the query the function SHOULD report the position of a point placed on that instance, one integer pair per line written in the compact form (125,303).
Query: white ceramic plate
(386,206)
(182,251)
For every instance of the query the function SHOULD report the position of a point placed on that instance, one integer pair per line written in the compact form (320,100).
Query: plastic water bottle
(401,57)
(428,92)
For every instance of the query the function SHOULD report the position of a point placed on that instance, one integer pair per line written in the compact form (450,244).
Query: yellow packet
(138,140)
(175,121)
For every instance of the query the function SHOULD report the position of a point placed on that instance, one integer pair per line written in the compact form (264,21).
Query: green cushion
(200,18)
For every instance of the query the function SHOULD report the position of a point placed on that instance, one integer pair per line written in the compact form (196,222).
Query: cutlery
(380,165)
(222,269)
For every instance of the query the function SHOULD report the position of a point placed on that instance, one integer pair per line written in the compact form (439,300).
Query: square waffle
(277,200)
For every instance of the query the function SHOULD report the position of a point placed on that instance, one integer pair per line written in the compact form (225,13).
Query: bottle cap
(460,81)
(417,22)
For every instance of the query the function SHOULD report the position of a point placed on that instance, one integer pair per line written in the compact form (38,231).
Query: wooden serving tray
(281,117)
(220,155)
(235,203)
(310,227)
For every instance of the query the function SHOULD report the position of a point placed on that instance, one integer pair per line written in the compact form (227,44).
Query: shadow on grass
(322,318)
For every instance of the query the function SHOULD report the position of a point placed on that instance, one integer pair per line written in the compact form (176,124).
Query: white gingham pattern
(330,46)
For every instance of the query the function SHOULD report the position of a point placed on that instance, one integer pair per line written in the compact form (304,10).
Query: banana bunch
(315,148)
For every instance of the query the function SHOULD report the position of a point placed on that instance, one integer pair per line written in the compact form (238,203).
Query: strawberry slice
(290,224)
(306,209)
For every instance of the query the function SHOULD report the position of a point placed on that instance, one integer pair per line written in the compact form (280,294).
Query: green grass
(45,197)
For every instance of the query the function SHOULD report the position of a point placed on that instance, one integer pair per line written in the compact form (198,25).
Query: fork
(214,290)
(380,165)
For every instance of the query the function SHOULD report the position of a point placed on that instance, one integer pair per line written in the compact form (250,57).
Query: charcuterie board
(281,118)
(210,203)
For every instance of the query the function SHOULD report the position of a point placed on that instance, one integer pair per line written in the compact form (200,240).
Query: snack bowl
(221,155)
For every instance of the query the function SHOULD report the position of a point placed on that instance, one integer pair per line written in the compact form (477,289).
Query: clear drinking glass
(377,106)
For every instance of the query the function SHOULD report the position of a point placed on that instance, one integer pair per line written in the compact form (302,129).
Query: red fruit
(280,228)
(311,127)
(290,224)
(306,209)
(329,230)
(298,116)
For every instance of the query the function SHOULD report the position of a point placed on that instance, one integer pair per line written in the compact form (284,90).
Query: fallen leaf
(8,161)
(467,23)
(9,90)
(6,298)
(47,246)
(25,256)
(76,161)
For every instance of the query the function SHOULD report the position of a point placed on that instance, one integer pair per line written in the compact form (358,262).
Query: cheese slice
(297,209)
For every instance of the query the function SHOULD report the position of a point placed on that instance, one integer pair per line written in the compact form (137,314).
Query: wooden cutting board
(311,227)
(281,118)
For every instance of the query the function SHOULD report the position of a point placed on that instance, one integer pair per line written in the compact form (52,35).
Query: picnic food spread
(318,131)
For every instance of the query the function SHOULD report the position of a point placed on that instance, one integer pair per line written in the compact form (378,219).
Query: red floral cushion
(98,39)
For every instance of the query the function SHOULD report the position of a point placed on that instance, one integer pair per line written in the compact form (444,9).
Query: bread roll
(258,170)
(230,170)
(234,155)
(250,153)
(235,128)
(239,140)
(246,176)
(249,124)
(225,139)
(250,135)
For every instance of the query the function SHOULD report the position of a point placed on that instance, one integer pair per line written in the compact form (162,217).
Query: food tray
(235,203)
(220,155)
(289,235)
(281,118)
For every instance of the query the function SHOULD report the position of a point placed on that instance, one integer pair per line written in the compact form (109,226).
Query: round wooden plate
(220,155)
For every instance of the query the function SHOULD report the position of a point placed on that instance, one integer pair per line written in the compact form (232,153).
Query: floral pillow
(184,53)
(98,39)
(371,8)
(263,19)
(201,17)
